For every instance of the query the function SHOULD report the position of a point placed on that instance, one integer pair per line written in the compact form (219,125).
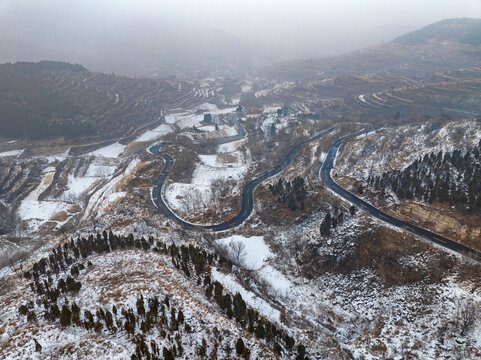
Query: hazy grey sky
(256,20)
(306,27)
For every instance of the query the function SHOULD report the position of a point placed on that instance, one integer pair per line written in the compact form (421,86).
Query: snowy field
(108,193)
(83,189)
(223,166)
(12,153)
(156,133)
(198,194)
(272,119)
(246,87)
(184,198)
(36,212)
(110,151)
(98,170)
(253,254)
(188,119)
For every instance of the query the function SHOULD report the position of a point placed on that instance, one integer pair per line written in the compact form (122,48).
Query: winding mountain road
(247,192)
(325,175)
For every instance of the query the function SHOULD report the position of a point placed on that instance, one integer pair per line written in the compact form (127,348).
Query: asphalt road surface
(325,175)
(247,192)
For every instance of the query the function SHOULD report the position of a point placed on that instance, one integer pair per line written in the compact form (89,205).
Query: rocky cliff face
(465,229)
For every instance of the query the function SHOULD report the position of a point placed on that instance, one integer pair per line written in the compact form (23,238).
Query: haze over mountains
(197,52)
(446,45)
(175,50)
(162,52)
(188,39)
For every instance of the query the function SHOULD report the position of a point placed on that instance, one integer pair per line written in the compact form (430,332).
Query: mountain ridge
(461,30)
(415,54)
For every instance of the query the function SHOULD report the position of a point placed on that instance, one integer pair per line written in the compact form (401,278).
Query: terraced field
(17,180)
(454,93)
(448,94)
(87,104)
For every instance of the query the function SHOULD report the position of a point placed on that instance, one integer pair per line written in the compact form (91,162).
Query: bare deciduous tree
(467,312)
(193,201)
(237,252)
(221,188)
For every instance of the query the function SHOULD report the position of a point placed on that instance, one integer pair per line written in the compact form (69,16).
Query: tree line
(446,177)
(290,193)
(67,262)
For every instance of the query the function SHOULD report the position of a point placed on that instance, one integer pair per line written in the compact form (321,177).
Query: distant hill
(30,106)
(57,99)
(150,50)
(463,31)
(447,45)
(31,68)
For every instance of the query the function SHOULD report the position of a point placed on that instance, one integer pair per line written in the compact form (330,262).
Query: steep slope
(173,308)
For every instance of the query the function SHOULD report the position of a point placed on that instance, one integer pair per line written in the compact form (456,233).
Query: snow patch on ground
(234,101)
(253,253)
(156,133)
(39,212)
(207,107)
(80,185)
(276,90)
(397,148)
(323,156)
(366,134)
(276,279)
(224,111)
(256,251)
(184,121)
(77,186)
(270,109)
(187,197)
(272,118)
(266,125)
(212,167)
(58,157)
(246,88)
(102,197)
(12,153)
(111,151)
(231,284)
(115,197)
(228,130)
(198,195)
(230,147)
(99,170)
(191,118)
(207,128)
